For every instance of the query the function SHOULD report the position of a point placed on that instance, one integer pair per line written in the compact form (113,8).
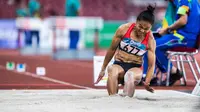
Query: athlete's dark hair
(147,15)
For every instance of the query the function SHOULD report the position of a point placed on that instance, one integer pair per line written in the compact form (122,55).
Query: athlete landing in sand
(128,46)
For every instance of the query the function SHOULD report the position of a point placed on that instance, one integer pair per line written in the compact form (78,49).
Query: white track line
(189,94)
(45,78)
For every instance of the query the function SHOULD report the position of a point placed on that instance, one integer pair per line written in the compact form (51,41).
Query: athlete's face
(142,27)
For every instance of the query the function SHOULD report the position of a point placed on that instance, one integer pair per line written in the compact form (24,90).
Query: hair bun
(151,9)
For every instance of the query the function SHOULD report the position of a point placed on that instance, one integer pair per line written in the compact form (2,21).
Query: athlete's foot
(114,95)
(123,95)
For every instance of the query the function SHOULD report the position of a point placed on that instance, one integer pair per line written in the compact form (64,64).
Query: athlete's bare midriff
(124,56)
(127,58)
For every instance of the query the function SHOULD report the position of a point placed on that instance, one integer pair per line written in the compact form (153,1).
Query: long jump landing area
(92,100)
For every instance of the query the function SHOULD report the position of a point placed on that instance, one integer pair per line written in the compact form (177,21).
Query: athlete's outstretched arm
(111,51)
(151,62)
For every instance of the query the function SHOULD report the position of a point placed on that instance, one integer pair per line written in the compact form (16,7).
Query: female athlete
(130,42)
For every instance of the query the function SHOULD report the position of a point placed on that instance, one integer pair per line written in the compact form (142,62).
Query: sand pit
(96,101)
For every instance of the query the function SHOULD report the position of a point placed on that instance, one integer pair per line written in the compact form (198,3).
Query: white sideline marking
(46,78)
(189,94)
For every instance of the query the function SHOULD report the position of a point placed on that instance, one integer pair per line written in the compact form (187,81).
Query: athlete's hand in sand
(101,75)
(148,88)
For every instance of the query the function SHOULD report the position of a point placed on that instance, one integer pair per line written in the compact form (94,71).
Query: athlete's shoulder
(124,28)
(151,41)
(151,35)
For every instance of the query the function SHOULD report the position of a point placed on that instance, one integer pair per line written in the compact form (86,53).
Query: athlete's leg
(131,79)
(113,74)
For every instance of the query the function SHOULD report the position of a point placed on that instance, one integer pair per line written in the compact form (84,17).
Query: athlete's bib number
(131,49)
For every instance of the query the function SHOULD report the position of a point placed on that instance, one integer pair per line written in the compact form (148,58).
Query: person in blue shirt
(72,9)
(22,9)
(34,8)
(182,32)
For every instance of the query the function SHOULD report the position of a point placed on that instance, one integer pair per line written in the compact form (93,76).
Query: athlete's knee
(137,79)
(133,77)
(129,76)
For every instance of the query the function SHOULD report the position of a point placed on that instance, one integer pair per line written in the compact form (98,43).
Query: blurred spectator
(22,9)
(34,9)
(72,9)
